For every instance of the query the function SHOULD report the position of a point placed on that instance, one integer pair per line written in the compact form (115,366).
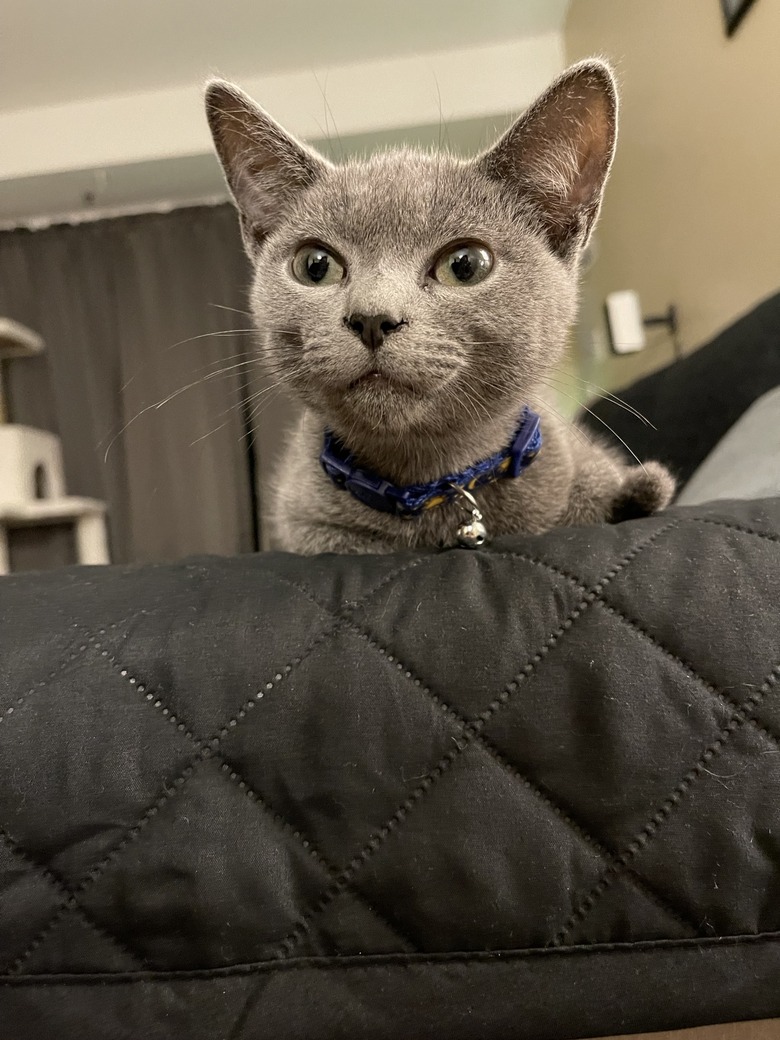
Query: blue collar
(413,499)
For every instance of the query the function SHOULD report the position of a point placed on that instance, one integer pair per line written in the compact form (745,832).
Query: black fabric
(528,792)
(695,402)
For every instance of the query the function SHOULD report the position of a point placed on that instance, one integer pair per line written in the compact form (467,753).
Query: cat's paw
(645,490)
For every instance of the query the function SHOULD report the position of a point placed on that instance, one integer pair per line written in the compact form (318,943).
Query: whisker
(253,413)
(256,412)
(472,397)
(160,404)
(605,395)
(219,333)
(210,433)
(329,114)
(247,363)
(608,427)
(235,310)
(575,429)
(255,395)
(183,342)
(608,395)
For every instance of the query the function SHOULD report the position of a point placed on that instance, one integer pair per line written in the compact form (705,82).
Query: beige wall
(692,212)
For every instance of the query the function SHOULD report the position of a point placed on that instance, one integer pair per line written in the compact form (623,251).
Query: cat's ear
(558,153)
(264,165)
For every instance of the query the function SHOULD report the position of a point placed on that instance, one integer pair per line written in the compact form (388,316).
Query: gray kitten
(415,303)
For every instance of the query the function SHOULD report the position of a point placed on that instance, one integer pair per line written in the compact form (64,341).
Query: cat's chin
(375,403)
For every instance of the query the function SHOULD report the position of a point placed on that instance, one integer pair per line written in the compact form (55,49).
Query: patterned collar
(412,499)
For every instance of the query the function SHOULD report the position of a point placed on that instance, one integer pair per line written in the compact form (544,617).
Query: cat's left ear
(265,167)
(558,153)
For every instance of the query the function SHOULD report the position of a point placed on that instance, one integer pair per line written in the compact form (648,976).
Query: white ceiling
(197,178)
(57,51)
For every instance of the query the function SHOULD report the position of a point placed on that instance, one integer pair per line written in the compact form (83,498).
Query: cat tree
(32,480)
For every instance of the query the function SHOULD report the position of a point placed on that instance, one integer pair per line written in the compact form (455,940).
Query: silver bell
(472,534)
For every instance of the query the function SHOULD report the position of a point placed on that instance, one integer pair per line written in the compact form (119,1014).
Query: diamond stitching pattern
(636,627)
(480,741)
(470,733)
(652,828)
(70,904)
(468,737)
(205,749)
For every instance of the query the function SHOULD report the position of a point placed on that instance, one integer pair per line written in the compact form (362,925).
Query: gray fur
(467,358)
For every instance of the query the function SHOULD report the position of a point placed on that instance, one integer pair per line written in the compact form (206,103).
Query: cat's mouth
(379,381)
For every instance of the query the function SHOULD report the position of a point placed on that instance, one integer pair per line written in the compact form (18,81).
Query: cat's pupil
(317,264)
(465,264)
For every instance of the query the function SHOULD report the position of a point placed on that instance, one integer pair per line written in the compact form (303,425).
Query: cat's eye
(464,265)
(314,265)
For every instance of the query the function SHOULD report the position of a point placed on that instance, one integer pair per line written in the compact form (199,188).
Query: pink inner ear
(558,154)
(264,165)
(594,153)
(575,135)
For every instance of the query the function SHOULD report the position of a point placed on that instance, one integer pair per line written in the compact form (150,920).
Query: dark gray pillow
(695,402)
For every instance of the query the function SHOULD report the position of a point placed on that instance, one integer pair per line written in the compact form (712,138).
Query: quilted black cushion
(525,792)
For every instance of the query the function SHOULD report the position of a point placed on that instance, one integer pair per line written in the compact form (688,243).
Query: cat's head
(413,293)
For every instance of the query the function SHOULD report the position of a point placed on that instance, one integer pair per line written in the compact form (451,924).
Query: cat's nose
(372,328)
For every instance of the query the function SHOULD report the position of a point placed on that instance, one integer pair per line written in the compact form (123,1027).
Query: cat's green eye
(314,265)
(463,265)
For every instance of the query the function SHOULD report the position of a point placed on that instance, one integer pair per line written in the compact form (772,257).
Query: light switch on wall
(624,321)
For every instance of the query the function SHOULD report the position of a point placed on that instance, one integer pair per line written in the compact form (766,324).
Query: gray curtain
(127,308)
